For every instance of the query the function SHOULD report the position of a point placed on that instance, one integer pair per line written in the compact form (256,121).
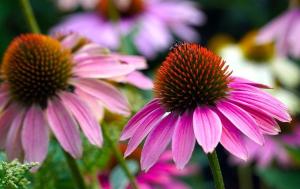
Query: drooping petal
(207,128)
(139,80)
(242,120)
(264,105)
(35,137)
(143,128)
(84,116)
(183,140)
(158,140)
(104,67)
(232,139)
(7,117)
(132,124)
(239,80)
(64,127)
(137,61)
(111,98)
(13,145)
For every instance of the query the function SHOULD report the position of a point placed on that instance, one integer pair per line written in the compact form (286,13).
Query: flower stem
(31,21)
(77,177)
(119,157)
(216,170)
(245,177)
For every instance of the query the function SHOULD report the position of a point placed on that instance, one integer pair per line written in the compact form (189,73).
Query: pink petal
(266,123)
(84,116)
(232,139)
(13,145)
(183,140)
(7,117)
(64,128)
(71,40)
(96,107)
(260,102)
(143,128)
(35,136)
(132,124)
(138,62)
(207,128)
(106,93)
(242,120)
(157,141)
(104,67)
(239,80)
(139,80)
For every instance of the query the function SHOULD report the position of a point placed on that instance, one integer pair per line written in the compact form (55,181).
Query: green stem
(216,170)
(77,177)
(31,21)
(113,12)
(119,157)
(245,177)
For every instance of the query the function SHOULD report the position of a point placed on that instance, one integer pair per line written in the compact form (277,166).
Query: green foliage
(13,175)
(280,179)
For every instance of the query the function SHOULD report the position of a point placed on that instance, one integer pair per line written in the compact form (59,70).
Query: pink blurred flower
(196,99)
(274,149)
(57,82)
(162,175)
(285,31)
(151,21)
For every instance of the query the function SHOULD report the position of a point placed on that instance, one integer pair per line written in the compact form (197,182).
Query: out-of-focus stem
(245,177)
(31,21)
(119,157)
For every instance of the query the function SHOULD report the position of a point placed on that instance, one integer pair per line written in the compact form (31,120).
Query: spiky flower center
(112,9)
(36,67)
(191,76)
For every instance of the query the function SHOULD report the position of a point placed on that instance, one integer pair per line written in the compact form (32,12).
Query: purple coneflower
(151,22)
(162,175)
(196,99)
(285,31)
(57,82)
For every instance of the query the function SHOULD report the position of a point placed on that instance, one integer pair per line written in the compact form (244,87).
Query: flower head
(162,175)
(58,82)
(150,23)
(197,99)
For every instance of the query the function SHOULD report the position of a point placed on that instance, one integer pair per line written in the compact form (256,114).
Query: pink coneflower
(196,99)
(150,22)
(162,175)
(274,149)
(56,82)
(285,31)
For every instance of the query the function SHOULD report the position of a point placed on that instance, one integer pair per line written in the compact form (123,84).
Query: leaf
(118,179)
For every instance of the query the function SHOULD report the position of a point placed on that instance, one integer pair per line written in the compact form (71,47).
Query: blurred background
(229,28)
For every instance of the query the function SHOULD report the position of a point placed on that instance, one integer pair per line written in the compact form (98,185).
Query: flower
(273,150)
(197,99)
(162,175)
(150,22)
(58,82)
(67,5)
(285,31)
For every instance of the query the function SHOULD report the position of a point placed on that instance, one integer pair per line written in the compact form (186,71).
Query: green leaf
(118,178)
(280,179)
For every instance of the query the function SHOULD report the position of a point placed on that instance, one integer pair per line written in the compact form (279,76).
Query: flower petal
(183,141)
(13,145)
(239,80)
(64,127)
(242,120)
(103,67)
(7,117)
(207,128)
(157,141)
(84,116)
(106,93)
(132,124)
(232,139)
(35,136)
(143,128)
